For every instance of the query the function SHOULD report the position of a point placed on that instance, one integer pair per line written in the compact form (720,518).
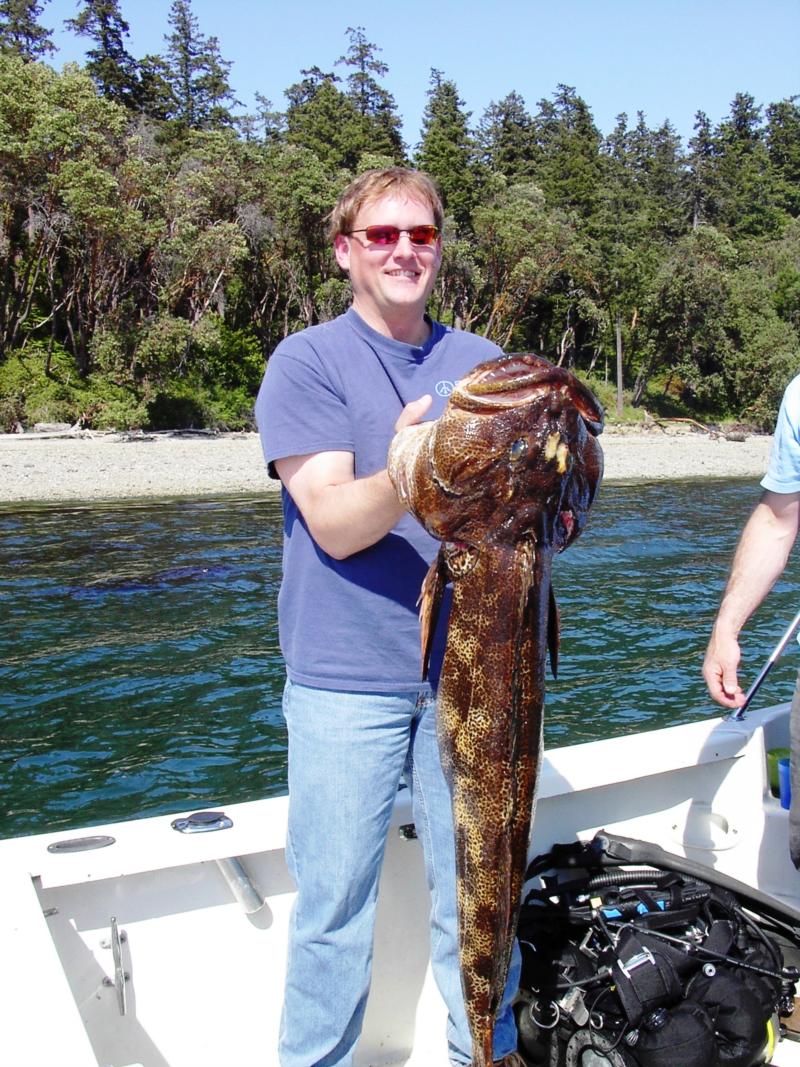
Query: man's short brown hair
(372,185)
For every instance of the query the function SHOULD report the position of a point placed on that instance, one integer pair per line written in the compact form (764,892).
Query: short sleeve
(783,472)
(299,409)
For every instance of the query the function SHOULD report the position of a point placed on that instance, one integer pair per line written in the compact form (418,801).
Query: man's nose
(404,244)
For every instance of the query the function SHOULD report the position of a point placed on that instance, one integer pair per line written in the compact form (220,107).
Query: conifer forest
(156,243)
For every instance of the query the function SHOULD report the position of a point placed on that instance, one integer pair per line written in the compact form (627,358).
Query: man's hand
(758,562)
(719,670)
(346,514)
(413,412)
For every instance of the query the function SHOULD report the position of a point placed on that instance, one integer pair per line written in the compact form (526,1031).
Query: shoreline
(91,467)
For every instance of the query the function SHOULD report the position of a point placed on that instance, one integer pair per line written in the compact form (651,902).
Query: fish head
(513,455)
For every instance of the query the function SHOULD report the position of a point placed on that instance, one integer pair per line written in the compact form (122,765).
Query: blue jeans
(347,753)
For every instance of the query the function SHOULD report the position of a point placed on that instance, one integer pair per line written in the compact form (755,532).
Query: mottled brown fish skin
(491,750)
(505,479)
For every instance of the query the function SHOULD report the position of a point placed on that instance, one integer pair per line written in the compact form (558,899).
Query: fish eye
(518,450)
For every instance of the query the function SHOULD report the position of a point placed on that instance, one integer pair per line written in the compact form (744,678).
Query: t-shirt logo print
(444,387)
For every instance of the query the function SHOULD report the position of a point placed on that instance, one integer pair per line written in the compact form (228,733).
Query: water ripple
(140,670)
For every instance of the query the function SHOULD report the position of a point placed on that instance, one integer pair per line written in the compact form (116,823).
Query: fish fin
(430,603)
(553,632)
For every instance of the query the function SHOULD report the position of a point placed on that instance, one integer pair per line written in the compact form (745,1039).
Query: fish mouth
(519,379)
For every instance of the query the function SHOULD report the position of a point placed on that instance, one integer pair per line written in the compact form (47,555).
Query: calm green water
(140,673)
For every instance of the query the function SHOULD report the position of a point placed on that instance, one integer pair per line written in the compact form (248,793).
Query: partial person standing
(759,560)
(357,714)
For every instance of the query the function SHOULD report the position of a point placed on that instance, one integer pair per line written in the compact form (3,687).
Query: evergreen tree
(154,92)
(369,97)
(326,122)
(507,139)
(703,193)
(569,170)
(303,92)
(198,74)
(272,122)
(783,147)
(744,173)
(622,245)
(109,64)
(621,226)
(20,33)
(447,150)
(666,183)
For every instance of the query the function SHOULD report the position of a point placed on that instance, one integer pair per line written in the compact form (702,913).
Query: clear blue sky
(667,58)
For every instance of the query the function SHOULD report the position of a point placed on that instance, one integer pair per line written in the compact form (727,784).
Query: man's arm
(345,514)
(759,561)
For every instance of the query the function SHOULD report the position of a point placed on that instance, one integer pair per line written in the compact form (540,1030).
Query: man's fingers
(414,412)
(730,685)
(723,685)
(720,669)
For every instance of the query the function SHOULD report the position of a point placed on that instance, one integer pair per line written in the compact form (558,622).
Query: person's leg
(434,822)
(346,756)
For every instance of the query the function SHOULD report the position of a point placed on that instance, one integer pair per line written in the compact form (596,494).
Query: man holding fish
(500,479)
(359,717)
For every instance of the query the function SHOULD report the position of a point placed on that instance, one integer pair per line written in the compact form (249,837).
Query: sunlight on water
(139,662)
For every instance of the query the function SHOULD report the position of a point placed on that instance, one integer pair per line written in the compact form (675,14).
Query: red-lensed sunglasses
(390,235)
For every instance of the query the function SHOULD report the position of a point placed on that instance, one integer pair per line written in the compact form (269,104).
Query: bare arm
(345,514)
(759,561)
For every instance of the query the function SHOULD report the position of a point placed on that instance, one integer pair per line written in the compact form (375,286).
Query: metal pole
(775,655)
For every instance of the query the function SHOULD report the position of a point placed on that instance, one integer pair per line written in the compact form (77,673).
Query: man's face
(390,282)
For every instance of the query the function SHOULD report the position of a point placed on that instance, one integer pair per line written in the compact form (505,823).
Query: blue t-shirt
(783,472)
(353,623)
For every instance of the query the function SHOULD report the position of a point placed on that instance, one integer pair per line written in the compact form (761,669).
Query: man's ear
(341,249)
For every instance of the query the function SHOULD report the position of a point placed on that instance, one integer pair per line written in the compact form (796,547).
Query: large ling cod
(504,478)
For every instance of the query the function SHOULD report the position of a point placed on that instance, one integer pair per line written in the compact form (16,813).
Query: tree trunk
(618,330)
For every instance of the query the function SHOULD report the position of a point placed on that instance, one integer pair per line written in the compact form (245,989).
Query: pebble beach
(86,467)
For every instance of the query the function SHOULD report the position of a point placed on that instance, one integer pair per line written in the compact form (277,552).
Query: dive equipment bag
(633,957)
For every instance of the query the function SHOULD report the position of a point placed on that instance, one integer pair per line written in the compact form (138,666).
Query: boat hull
(204,958)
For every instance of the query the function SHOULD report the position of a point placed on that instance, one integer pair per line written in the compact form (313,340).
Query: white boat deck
(204,974)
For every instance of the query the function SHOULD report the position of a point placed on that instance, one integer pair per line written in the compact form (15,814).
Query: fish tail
(483,1054)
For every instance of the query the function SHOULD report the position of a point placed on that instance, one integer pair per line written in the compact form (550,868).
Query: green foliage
(523,248)
(229,359)
(787,296)
(230,409)
(370,98)
(765,349)
(20,32)
(783,148)
(447,149)
(112,408)
(688,314)
(189,406)
(507,139)
(196,73)
(746,181)
(109,64)
(37,385)
(29,395)
(163,351)
(330,126)
(178,408)
(154,250)
(569,168)
(606,392)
